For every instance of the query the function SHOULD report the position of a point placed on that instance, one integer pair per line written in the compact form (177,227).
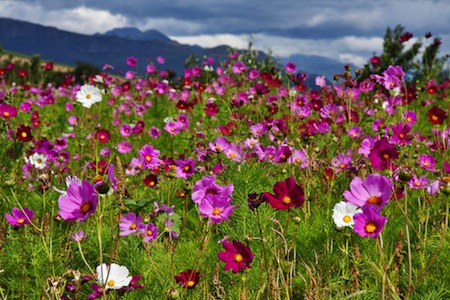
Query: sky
(349,31)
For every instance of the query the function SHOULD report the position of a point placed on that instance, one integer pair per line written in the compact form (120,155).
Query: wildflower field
(234,180)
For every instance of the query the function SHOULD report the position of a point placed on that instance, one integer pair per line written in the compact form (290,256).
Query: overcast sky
(346,30)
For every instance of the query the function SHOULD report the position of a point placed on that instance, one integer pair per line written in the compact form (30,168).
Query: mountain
(133,33)
(115,46)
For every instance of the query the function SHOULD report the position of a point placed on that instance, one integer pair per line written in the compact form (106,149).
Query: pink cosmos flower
(216,208)
(123,147)
(427,162)
(185,168)
(374,191)
(290,67)
(149,232)
(131,61)
(237,256)
(79,202)
(7,111)
(220,144)
(208,186)
(131,224)
(20,217)
(172,127)
(369,222)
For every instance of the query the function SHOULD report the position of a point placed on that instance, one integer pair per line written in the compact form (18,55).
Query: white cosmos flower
(88,95)
(38,160)
(113,276)
(343,214)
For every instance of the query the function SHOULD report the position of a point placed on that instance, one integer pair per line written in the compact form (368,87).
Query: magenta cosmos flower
(369,222)
(79,202)
(208,186)
(131,224)
(216,208)
(375,191)
(382,154)
(237,256)
(20,217)
(287,194)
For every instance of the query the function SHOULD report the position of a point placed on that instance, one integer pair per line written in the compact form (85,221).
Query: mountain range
(115,46)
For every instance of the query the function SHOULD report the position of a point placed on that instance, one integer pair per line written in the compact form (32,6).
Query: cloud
(350,49)
(79,19)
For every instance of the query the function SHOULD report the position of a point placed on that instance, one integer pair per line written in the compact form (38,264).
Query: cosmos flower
(79,236)
(343,213)
(20,217)
(185,168)
(23,133)
(237,256)
(216,208)
(287,194)
(188,279)
(131,224)
(208,186)
(382,155)
(38,160)
(7,111)
(79,202)
(149,232)
(374,191)
(113,276)
(436,115)
(369,222)
(88,95)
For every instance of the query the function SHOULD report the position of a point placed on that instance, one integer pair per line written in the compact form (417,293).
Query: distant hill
(115,46)
(133,33)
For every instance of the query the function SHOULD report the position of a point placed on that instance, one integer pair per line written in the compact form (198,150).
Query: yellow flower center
(216,211)
(218,148)
(417,183)
(386,156)
(6,114)
(401,135)
(408,119)
(371,227)
(148,158)
(186,168)
(149,232)
(88,96)
(238,257)
(24,134)
(111,282)
(286,200)
(342,166)
(152,183)
(347,219)
(434,118)
(232,155)
(298,160)
(373,200)
(21,220)
(190,283)
(133,226)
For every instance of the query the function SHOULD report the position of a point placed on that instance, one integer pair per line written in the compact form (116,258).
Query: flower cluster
(214,200)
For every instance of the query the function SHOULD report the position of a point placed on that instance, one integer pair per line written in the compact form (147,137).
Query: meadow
(235,180)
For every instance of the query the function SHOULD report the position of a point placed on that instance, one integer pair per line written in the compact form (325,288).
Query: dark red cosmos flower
(188,279)
(23,133)
(211,109)
(436,115)
(382,155)
(102,135)
(237,256)
(22,73)
(150,180)
(287,194)
(406,37)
